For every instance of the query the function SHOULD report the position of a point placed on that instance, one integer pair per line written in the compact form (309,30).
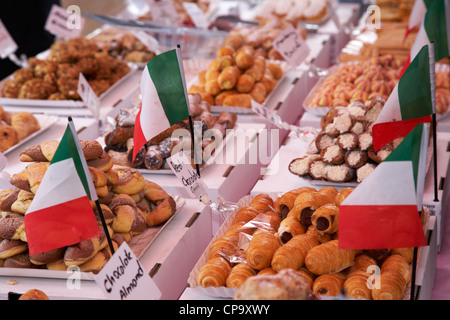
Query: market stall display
(296,231)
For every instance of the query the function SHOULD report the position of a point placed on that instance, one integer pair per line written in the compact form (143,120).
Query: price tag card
(65,23)
(196,15)
(7,43)
(124,278)
(292,46)
(162,10)
(88,96)
(188,176)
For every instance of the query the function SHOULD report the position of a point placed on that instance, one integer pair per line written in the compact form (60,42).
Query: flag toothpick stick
(191,124)
(99,208)
(433,115)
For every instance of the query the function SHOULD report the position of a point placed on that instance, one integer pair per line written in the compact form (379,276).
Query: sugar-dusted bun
(131,181)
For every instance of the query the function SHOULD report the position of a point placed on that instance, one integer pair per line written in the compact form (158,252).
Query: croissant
(328,257)
(341,195)
(329,284)
(326,218)
(222,247)
(262,202)
(214,273)
(305,204)
(289,227)
(285,202)
(322,237)
(261,250)
(362,263)
(245,214)
(406,253)
(293,253)
(239,273)
(398,264)
(25,124)
(355,286)
(330,192)
(392,286)
(267,271)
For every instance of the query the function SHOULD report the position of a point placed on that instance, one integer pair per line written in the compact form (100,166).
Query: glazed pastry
(262,202)
(328,257)
(300,166)
(292,254)
(305,204)
(399,264)
(289,227)
(341,195)
(285,202)
(392,286)
(214,273)
(261,250)
(238,274)
(355,286)
(330,284)
(245,214)
(326,218)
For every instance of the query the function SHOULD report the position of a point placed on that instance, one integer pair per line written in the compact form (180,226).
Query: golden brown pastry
(10,248)
(262,202)
(392,286)
(261,249)
(238,274)
(398,264)
(329,284)
(355,286)
(25,123)
(305,204)
(223,247)
(267,271)
(131,181)
(163,211)
(47,256)
(243,100)
(328,257)
(326,218)
(285,202)
(34,294)
(406,253)
(80,253)
(214,273)
(8,137)
(292,254)
(23,202)
(245,214)
(228,77)
(7,198)
(342,194)
(289,227)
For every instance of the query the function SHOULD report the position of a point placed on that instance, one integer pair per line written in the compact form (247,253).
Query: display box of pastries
(270,233)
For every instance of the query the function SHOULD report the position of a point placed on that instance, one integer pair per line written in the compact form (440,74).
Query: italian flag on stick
(410,102)
(164,98)
(435,27)
(417,14)
(383,211)
(61,213)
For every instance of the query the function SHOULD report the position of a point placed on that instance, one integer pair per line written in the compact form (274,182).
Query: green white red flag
(61,213)
(435,27)
(383,210)
(417,14)
(164,98)
(410,102)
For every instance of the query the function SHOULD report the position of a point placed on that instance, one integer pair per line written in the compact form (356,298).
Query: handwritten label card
(187,174)
(7,43)
(267,114)
(88,96)
(65,23)
(292,46)
(124,278)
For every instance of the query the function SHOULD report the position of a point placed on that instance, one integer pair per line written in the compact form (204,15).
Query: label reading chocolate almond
(124,278)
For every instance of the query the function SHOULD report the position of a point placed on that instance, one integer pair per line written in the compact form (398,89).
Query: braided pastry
(328,257)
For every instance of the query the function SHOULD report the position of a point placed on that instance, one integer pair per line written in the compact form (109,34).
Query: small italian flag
(61,213)
(409,103)
(417,14)
(383,211)
(435,27)
(164,97)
